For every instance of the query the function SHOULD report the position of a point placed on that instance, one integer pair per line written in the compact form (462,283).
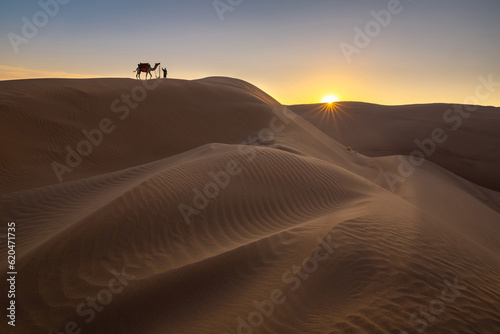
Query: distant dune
(471,148)
(206,206)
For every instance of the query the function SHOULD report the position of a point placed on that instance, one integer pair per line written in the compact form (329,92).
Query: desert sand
(206,206)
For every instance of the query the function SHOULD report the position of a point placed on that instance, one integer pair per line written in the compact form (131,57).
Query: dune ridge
(370,256)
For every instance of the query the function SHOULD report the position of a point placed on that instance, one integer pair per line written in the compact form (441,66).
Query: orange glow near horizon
(330,99)
(312,88)
(292,53)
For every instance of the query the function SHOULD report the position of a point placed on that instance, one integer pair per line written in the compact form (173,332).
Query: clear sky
(428,51)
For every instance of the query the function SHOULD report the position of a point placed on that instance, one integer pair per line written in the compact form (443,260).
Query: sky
(380,51)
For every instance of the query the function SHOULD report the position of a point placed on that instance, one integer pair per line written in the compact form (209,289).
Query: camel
(147,69)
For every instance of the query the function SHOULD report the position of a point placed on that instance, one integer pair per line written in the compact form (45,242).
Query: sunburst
(329,112)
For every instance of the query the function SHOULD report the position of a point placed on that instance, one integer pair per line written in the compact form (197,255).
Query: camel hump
(144,65)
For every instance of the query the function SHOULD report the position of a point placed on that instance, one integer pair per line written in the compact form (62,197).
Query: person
(164,72)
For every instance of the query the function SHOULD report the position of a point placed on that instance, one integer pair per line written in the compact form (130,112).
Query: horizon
(295,104)
(385,52)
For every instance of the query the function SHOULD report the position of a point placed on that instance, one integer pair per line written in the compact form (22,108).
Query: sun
(330,99)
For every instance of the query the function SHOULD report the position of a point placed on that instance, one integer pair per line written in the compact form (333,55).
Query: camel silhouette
(145,67)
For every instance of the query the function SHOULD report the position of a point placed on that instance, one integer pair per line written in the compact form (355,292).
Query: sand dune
(470,149)
(211,208)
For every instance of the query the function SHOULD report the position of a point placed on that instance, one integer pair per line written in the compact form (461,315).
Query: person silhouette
(164,72)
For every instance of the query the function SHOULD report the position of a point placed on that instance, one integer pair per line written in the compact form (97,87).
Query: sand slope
(268,193)
(471,138)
